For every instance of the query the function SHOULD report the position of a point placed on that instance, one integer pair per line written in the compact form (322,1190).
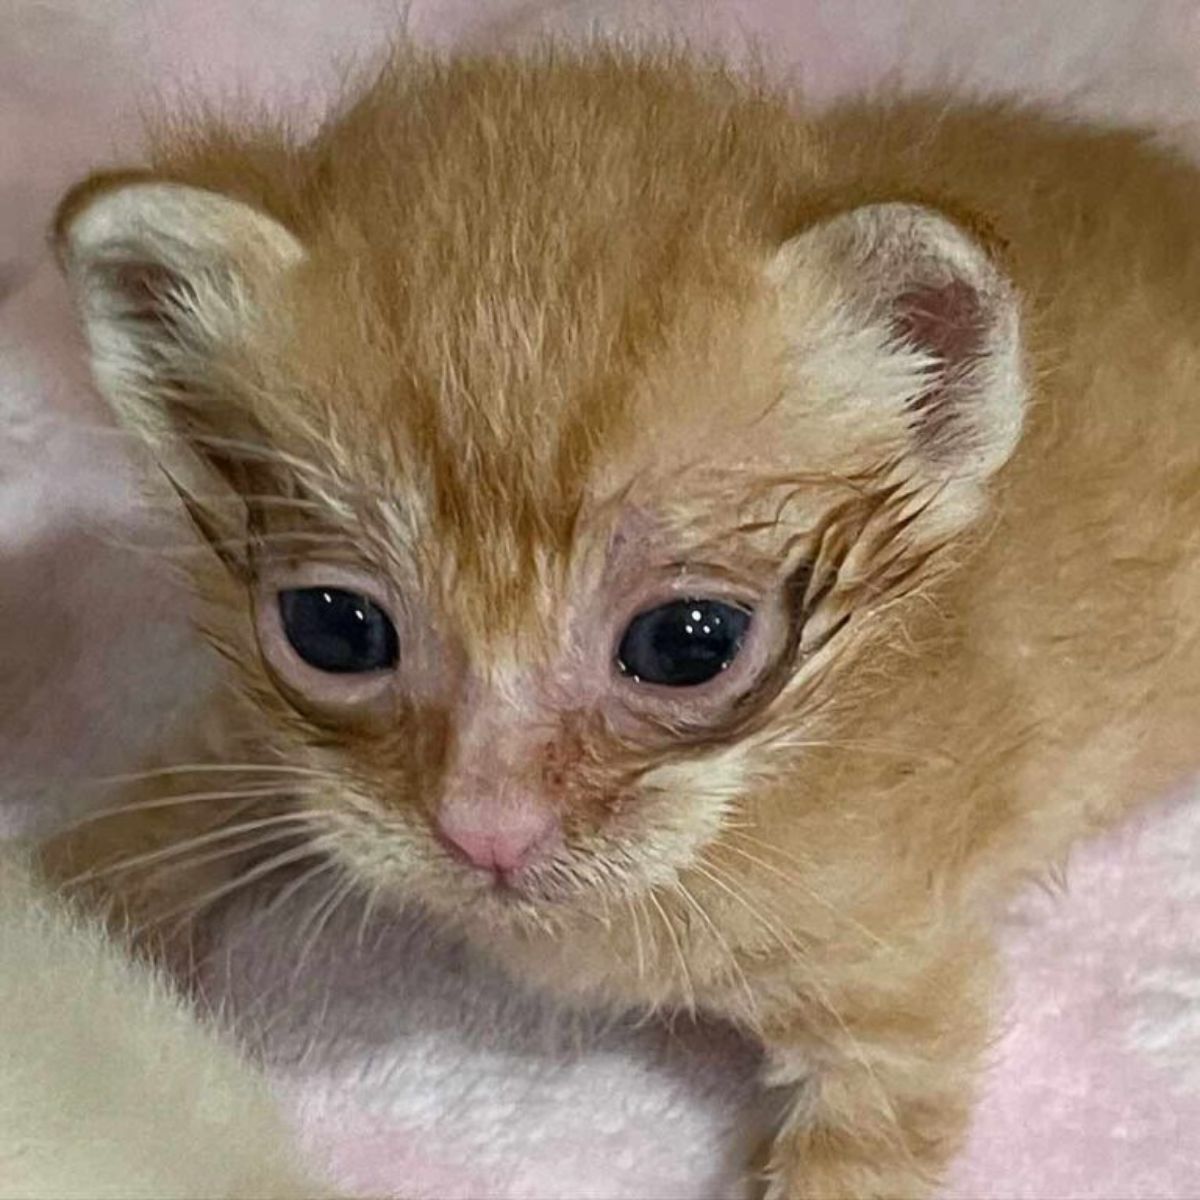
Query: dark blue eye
(337,631)
(684,643)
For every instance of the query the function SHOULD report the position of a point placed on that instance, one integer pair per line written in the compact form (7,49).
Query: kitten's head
(559,449)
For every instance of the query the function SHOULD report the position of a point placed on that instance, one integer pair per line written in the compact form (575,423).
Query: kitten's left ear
(904,318)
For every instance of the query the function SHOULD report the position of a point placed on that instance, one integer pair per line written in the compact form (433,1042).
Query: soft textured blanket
(410,1068)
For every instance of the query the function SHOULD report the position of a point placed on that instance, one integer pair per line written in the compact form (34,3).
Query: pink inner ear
(946,319)
(949,322)
(146,290)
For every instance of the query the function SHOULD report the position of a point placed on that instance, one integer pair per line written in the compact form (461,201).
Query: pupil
(682,644)
(338,631)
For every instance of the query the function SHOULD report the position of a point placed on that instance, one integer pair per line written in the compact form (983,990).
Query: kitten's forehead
(517,435)
(521,442)
(522,304)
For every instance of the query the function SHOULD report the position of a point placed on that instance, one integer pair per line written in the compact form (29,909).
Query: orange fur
(502,316)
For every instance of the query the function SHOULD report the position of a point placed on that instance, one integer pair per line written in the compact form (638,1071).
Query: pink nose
(507,842)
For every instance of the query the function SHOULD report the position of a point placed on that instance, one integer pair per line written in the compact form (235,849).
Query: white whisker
(337,897)
(284,858)
(734,966)
(216,768)
(296,885)
(685,980)
(176,849)
(167,802)
(815,896)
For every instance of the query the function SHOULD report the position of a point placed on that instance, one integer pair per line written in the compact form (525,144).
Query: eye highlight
(337,631)
(684,643)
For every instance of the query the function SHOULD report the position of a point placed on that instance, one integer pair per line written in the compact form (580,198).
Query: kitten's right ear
(165,277)
(170,282)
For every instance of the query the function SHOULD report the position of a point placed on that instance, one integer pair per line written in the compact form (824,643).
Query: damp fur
(511,336)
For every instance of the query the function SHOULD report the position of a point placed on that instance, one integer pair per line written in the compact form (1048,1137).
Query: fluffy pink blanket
(409,1067)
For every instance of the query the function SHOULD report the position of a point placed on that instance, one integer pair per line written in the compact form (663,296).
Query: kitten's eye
(684,643)
(338,631)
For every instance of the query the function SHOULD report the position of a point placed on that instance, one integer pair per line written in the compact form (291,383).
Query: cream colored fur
(109,1086)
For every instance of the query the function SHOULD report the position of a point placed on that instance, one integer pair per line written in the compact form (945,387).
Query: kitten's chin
(498,915)
(520,906)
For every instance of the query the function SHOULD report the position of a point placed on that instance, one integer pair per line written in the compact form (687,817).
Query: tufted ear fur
(170,283)
(902,317)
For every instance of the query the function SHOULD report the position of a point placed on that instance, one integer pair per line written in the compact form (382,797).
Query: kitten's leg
(884,1088)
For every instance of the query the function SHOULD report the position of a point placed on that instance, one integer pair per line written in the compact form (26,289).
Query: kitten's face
(541,686)
(548,631)
(550,497)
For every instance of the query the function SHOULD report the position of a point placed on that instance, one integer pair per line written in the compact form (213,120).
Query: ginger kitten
(710,552)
